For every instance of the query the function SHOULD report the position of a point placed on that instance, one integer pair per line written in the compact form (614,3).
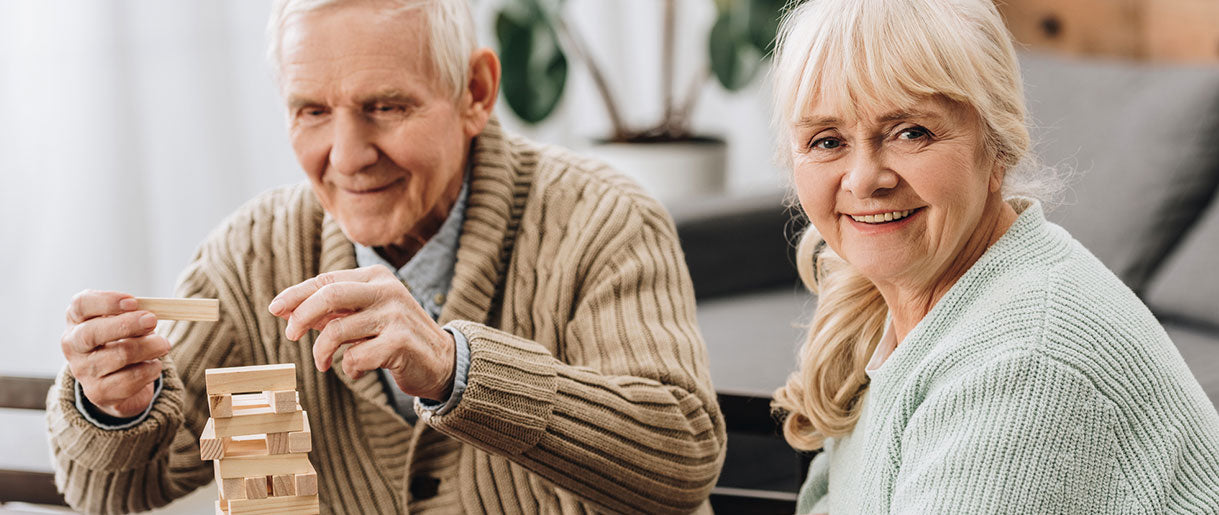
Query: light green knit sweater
(1038,384)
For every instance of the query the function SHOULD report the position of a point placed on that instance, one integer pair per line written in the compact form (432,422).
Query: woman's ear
(997,173)
(482,89)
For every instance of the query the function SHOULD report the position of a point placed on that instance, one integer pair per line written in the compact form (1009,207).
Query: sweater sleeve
(1022,434)
(814,493)
(625,415)
(157,460)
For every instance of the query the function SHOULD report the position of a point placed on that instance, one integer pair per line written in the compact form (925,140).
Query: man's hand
(112,351)
(370,309)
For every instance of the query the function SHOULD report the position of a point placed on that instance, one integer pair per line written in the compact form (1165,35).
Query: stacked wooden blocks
(260,441)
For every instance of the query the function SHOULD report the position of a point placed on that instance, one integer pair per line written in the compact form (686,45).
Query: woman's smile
(883,221)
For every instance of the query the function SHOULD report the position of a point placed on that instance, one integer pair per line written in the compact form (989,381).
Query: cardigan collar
(498,188)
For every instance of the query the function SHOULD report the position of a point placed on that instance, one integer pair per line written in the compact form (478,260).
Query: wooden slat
(257,378)
(259,421)
(24,392)
(302,504)
(210,446)
(202,310)
(270,465)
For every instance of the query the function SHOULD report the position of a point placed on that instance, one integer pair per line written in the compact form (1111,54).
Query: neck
(398,254)
(909,303)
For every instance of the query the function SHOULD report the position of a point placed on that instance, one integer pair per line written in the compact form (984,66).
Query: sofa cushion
(1187,285)
(1141,140)
(753,339)
(1200,348)
(736,244)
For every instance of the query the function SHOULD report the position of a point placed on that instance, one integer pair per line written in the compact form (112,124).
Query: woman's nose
(353,149)
(867,175)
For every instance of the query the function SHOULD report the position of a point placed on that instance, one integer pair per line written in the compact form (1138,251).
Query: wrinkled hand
(370,309)
(112,351)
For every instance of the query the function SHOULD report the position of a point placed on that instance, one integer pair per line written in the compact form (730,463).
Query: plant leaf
(534,67)
(734,58)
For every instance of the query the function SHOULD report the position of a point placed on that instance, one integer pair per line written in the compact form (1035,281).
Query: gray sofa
(1143,144)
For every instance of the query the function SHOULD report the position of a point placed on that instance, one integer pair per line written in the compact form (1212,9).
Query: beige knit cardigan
(588,386)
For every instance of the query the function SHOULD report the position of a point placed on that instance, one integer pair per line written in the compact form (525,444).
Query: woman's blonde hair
(881,54)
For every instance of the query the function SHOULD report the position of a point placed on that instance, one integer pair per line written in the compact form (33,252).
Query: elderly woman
(965,355)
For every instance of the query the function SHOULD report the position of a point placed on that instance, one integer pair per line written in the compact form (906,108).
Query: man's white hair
(447,25)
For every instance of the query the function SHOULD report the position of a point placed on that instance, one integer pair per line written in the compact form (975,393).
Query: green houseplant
(536,42)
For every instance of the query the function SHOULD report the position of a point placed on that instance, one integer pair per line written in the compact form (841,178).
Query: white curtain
(128,129)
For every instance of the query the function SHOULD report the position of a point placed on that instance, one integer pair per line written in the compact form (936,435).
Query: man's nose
(867,175)
(353,149)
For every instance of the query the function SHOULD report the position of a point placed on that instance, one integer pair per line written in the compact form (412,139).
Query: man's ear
(482,89)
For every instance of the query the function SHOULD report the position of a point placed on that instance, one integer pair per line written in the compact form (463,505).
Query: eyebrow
(392,95)
(900,114)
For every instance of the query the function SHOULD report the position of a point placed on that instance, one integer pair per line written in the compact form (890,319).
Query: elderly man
(479,323)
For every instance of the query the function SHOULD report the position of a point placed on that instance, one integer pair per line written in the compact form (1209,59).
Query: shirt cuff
(459,378)
(95,415)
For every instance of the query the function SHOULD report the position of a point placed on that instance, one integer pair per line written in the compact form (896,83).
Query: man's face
(382,144)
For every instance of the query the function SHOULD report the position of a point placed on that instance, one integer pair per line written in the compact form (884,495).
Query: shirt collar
(430,271)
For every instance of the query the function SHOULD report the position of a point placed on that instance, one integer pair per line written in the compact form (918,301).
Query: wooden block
(210,446)
(301,441)
(255,378)
(243,401)
(239,446)
(282,401)
(306,482)
(269,465)
(277,443)
(256,487)
(202,310)
(232,488)
(302,504)
(283,485)
(220,406)
(219,509)
(259,420)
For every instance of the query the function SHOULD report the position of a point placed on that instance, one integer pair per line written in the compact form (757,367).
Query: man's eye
(387,109)
(826,143)
(312,112)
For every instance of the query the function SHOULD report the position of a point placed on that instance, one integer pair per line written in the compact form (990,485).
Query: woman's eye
(913,133)
(826,143)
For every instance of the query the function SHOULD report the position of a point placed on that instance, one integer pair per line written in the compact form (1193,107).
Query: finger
(370,355)
(123,383)
(353,328)
(343,297)
(89,303)
(114,356)
(284,303)
(86,336)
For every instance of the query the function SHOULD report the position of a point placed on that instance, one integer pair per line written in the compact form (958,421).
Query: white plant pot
(669,171)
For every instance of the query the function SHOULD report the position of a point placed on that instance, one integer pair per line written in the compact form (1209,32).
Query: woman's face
(899,193)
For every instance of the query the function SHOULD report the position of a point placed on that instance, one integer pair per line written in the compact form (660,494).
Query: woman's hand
(112,351)
(370,309)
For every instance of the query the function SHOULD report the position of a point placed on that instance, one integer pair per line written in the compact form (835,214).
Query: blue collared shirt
(428,275)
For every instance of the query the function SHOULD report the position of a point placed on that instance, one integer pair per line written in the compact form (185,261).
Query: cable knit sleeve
(623,412)
(1022,434)
(156,461)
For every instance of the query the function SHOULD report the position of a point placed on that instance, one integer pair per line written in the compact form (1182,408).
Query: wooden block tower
(260,441)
